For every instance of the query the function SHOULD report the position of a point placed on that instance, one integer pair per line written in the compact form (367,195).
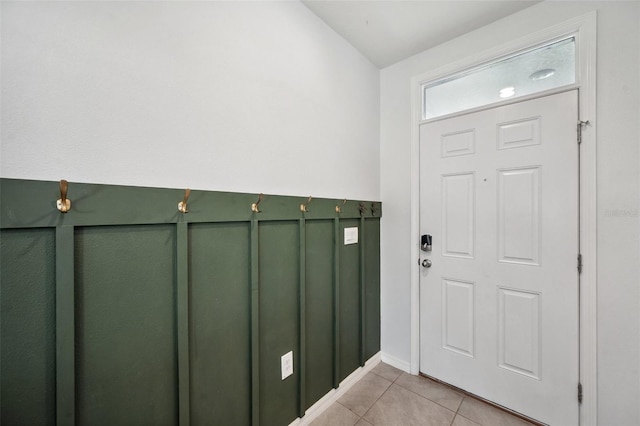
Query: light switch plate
(350,235)
(286,362)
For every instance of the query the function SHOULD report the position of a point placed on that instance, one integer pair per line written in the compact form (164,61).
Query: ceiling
(388,31)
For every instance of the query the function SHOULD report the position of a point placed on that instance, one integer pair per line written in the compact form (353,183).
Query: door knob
(426,263)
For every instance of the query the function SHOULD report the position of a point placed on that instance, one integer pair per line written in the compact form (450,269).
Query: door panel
(519,134)
(458,213)
(499,305)
(519,215)
(458,319)
(519,332)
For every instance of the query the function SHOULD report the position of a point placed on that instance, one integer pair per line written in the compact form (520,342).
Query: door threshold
(486,401)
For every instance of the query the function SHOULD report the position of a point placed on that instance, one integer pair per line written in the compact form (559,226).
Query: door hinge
(579,263)
(581,124)
(580,393)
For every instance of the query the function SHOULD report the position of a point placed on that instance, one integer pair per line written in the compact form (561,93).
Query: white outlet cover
(350,235)
(286,364)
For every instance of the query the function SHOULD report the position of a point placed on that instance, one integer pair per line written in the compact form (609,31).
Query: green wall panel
(372,287)
(220,324)
(319,309)
(349,303)
(279,320)
(27,295)
(126,362)
(124,311)
(31,204)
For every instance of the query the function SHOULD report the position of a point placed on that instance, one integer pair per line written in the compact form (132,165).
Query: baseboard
(334,394)
(395,362)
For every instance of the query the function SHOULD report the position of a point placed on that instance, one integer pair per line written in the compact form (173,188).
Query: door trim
(584,30)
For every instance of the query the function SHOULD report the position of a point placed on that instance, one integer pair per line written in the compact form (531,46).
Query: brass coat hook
(303,207)
(254,206)
(64,204)
(339,208)
(362,208)
(182,205)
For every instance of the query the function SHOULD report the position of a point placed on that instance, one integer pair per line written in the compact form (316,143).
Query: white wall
(618,185)
(232,96)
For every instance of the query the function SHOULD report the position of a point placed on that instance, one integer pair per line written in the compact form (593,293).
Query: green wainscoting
(125,311)
(125,325)
(319,306)
(349,304)
(279,320)
(372,287)
(220,322)
(28,326)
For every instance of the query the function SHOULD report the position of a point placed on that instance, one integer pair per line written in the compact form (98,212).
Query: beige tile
(462,421)
(364,393)
(363,422)
(486,414)
(388,372)
(336,415)
(401,407)
(434,391)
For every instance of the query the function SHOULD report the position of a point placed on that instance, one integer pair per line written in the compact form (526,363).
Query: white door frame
(584,30)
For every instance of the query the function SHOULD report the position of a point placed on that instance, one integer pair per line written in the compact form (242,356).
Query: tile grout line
(344,406)
(430,400)
(471,420)
(385,391)
(471,396)
(455,413)
(395,381)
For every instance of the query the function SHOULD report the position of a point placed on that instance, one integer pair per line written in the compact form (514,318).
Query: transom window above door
(543,68)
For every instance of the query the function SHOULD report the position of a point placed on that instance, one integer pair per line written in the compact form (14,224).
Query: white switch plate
(286,362)
(350,235)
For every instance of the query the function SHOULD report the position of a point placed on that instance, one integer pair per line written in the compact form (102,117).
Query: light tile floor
(387,396)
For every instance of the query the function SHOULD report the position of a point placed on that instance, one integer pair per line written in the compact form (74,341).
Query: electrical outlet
(286,364)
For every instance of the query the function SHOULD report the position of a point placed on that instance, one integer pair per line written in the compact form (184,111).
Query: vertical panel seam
(336,302)
(362,292)
(302,394)
(255,325)
(65,326)
(182,294)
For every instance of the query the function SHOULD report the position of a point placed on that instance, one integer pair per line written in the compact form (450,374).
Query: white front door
(499,304)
